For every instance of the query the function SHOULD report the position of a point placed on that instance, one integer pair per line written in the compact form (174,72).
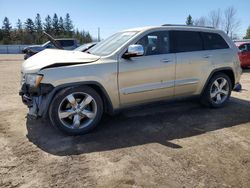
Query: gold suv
(129,68)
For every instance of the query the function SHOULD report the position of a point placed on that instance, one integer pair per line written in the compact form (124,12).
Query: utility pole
(99,38)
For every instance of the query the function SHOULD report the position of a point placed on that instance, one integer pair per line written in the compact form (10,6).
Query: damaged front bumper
(36,99)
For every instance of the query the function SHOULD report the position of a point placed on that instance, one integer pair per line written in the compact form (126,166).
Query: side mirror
(134,50)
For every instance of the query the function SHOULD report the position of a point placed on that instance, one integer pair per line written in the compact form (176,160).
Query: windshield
(45,44)
(112,43)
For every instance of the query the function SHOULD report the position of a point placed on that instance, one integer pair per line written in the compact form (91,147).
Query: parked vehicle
(131,67)
(244,54)
(85,47)
(63,43)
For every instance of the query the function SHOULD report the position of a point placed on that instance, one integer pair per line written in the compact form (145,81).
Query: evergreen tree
(38,24)
(6,29)
(29,26)
(19,31)
(55,25)
(48,25)
(68,25)
(88,38)
(19,25)
(189,20)
(247,33)
(61,26)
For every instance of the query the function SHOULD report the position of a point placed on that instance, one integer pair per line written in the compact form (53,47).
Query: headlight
(33,79)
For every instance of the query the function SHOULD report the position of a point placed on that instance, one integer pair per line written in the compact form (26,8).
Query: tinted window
(186,41)
(66,43)
(213,41)
(155,43)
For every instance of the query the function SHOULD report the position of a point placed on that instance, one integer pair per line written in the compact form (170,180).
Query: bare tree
(231,23)
(214,18)
(202,21)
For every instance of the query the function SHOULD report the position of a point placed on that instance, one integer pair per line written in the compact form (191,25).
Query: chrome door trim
(186,82)
(147,87)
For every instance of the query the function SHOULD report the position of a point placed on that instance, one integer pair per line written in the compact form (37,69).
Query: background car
(244,54)
(63,43)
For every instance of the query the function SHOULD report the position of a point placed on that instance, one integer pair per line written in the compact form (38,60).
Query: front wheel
(218,91)
(76,110)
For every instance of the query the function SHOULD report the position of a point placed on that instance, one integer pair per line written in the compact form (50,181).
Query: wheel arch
(226,70)
(108,106)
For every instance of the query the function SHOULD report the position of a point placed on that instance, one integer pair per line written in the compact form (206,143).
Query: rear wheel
(218,91)
(76,110)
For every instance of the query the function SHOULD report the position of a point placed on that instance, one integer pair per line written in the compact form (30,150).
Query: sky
(113,15)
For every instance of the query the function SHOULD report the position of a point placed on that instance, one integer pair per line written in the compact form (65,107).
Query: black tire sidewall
(206,98)
(53,110)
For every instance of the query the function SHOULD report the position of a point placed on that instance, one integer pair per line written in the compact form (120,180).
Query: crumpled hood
(50,57)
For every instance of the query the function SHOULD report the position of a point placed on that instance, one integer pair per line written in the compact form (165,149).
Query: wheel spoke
(86,101)
(76,121)
(72,100)
(217,85)
(213,94)
(224,92)
(223,83)
(66,113)
(218,97)
(88,113)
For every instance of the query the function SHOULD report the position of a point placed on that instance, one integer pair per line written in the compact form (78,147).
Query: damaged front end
(36,99)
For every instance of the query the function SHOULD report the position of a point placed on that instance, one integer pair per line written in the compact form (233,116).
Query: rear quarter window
(213,41)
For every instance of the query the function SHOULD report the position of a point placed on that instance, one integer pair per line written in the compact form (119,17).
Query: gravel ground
(166,144)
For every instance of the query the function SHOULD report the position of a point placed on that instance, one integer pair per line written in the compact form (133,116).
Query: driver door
(149,77)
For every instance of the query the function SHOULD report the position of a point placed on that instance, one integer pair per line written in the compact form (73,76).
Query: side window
(187,41)
(213,41)
(155,43)
(248,47)
(243,47)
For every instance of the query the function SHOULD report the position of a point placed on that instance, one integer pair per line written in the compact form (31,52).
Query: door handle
(166,60)
(207,56)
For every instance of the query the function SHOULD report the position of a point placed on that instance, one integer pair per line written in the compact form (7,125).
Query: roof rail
(187,25)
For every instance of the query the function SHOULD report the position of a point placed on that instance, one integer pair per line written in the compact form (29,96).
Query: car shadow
(160,123)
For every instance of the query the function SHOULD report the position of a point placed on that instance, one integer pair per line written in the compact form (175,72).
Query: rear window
(213,41)
(66,43)
(187,41)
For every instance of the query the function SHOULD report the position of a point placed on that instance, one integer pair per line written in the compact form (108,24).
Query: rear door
(192,62)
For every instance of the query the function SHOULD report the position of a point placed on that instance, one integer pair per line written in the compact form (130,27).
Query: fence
(11,49)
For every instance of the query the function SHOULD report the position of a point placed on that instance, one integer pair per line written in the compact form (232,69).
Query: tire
(76,110)
(212,94)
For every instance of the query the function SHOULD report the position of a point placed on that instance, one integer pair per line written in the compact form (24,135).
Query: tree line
(31,31)
(225,20)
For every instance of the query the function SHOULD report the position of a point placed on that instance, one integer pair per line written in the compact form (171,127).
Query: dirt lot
(167,144)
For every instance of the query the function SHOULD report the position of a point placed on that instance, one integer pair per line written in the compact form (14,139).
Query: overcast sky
(114,15)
